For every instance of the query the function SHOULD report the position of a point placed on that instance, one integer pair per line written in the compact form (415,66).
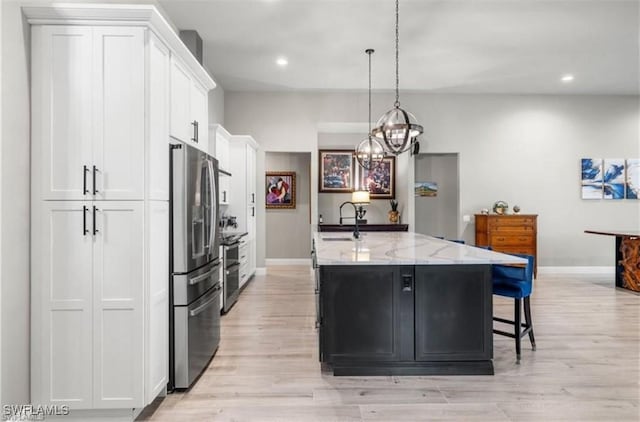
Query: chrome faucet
(356,232)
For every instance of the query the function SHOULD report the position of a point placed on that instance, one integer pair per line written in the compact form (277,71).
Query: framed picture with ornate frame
(381,181)
(336,170)
(280,188)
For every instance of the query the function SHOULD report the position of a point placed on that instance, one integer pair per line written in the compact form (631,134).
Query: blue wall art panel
(633,178)
(591,178)
(613,178)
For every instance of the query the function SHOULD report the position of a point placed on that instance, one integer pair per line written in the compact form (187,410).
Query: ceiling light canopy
(567,78)
(282,61)
(398,128)
(369,151)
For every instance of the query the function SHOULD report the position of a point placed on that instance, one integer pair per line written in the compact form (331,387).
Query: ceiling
(446,46)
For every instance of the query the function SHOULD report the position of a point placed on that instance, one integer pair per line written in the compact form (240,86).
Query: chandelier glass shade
(369,151)
(397,128)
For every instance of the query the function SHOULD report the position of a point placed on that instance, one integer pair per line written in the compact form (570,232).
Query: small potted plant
(394,214)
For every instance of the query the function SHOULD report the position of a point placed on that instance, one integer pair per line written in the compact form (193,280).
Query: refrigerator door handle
(204,276)
(213,206)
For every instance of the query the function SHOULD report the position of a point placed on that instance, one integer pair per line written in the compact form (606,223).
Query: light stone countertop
(401,248)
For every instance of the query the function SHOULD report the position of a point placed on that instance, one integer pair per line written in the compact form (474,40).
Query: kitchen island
(402,303)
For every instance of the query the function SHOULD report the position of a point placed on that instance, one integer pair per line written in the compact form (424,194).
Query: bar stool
(516,283)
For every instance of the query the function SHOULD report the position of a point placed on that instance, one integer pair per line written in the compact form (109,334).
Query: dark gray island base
(405,319)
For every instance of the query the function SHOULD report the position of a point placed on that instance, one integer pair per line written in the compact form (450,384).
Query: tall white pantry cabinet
(243,150)
(101,86)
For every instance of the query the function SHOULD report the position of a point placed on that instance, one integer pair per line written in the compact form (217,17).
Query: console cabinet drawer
(503,239)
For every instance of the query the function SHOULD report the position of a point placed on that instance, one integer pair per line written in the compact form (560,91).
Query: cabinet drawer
(511,239)
(495,223)
(512,230)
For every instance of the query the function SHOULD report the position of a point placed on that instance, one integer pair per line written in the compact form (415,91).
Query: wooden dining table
(627,257)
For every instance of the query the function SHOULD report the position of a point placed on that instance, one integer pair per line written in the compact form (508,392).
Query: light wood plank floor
(586,367)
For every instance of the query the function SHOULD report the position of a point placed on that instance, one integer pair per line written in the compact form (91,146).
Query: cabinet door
(61,282)
(62,93)
(222,155)
(453,313)
(251,176)
(117,305)
(362,317)
(157,302)
(118,141)
(180,101)
(199,116)
(158,120)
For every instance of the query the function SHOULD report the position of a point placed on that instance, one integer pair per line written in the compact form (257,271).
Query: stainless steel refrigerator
(195,263)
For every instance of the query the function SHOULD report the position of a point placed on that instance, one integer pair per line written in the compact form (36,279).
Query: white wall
(14,222)
(521,149)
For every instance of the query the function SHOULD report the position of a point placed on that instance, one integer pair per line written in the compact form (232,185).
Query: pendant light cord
(369,52)
(397,103)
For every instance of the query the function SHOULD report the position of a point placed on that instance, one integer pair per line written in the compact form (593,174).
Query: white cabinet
(90,112)
(89,306)
(189,107)
(221,141)
(158,71)
(243,151)
(101,119)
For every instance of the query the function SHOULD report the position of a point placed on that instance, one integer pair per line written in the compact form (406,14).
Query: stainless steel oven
(231,283)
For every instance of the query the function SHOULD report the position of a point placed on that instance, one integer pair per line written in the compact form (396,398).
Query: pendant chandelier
(369,151)
(397,128)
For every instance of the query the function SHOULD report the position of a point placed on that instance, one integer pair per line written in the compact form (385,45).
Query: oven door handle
(233,268)
(202,307)
(200,278)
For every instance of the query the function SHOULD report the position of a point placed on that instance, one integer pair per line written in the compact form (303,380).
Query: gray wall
(523,149)
(14,224)
(438,215)
(288,230)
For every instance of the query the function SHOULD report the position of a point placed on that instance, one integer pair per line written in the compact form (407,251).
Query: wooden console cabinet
(516,233)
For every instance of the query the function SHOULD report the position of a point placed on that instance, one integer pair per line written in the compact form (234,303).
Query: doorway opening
(437,210)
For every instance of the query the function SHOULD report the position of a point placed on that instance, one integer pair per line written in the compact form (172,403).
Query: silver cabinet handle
(195,131)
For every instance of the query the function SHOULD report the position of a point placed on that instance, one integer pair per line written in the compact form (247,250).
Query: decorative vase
(394,217)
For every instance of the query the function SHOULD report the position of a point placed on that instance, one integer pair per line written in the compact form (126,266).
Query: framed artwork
(591,178)
(381,181)
(426,189)
(280,189)
(613,180)
(632,179)
(336,171)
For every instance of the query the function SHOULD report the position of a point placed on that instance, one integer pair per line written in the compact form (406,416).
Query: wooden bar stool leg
(527,317)
(517,328)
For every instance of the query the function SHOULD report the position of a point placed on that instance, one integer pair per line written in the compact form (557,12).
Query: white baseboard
(261,271)
(292,261)
(577,270)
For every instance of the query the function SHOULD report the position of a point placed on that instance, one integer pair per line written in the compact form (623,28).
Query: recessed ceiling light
(567,78)
(282,61)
